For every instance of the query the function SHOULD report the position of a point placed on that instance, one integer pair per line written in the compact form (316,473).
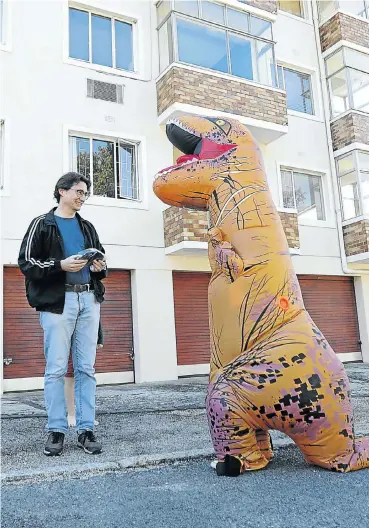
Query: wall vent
(105,91)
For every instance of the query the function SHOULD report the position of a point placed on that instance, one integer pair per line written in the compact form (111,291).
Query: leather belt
(78,288)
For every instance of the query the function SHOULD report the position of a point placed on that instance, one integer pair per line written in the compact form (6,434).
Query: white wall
(44,95)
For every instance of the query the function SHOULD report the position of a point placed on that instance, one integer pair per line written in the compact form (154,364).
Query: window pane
(364,161)
(101,41)
(364,178)
(124,45)
(127,172)
(298,95)
(164,58)
(238,20)
(360,89)
(190,7)
(103,168)
(78,35)
(357,60)
(339,93)
(241,57)
(346,164)
(280,77)
(1,20)
(79,155)
(349,195)
(287,190)
(334,62)
(213,12)
(1,154)
(261,28)
(309,196)
(162,10)
(291,6)
(326,9)
(356,7)
(202,46)
(265,61)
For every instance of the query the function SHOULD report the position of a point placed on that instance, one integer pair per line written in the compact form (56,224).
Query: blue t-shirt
(73,242)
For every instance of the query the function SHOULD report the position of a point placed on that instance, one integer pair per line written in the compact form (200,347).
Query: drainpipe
(326,110)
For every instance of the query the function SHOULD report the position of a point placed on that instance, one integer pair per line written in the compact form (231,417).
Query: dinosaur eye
(220,122)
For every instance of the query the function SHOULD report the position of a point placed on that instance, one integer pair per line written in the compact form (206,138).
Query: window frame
(347,69)
(2,155)
(303,15)
(113,18)
(338,8)
(117,141)
(173,49)
(357,171)
(313,221)
(302,73)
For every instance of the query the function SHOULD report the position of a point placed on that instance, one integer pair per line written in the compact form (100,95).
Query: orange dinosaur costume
(271,368)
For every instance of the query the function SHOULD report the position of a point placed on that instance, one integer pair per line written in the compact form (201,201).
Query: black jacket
(39,260)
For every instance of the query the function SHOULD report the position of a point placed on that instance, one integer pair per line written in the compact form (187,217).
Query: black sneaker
(54,444)
(88,442)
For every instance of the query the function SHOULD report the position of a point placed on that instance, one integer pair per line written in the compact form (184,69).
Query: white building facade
(89,86)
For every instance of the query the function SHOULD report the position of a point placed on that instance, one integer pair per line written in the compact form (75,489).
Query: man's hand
(98,265)
(72,264)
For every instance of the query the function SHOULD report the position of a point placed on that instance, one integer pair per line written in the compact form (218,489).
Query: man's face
(74,197)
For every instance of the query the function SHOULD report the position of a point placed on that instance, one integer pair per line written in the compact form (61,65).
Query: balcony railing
(185,230)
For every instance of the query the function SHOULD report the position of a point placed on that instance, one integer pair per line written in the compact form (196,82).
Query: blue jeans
(76,328)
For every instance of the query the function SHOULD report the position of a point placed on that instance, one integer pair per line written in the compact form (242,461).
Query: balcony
(219,60)
(351,128)
(344,27)
(356,239)
(262,110)
(353,178)
(185,231)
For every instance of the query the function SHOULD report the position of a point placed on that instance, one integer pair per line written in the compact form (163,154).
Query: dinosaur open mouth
(193,146)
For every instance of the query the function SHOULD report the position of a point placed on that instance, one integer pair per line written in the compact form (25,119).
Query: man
(68,294)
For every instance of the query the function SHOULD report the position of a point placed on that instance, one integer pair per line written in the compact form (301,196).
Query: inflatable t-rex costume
(271,368)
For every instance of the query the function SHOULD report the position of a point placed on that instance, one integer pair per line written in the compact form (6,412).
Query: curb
(134,462)
(141,461)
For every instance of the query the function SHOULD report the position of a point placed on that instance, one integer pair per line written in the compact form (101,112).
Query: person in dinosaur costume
(271,367)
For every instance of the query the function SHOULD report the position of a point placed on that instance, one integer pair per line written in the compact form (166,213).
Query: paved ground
(286,494)
(138,424)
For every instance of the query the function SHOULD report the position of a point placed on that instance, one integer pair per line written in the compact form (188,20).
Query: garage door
(330,301)
(23,337)
(191,317)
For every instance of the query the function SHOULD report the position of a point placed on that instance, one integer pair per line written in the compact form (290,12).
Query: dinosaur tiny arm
(226,259)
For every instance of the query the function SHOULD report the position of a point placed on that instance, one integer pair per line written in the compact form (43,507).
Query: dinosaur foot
(229,467)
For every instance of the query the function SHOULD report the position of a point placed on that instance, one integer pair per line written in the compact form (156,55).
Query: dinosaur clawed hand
(226,258)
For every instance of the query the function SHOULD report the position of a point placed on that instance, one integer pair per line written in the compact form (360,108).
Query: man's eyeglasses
(82,194)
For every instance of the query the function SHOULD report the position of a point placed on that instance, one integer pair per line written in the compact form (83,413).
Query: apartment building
(90,85)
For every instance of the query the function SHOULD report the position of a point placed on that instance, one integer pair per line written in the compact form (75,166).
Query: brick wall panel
(224,95)
(344,27)
(182,225)
(356,237)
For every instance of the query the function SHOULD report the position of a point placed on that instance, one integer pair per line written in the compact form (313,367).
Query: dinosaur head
(214,149)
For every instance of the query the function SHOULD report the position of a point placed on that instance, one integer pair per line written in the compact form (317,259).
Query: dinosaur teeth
(170,169)
(179,124)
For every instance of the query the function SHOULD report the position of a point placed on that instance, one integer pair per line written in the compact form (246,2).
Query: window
(2,127)
(111,165)
(348,81)
(100,40)
(353,175)
(294,7)
(216,37)
(327,8)
(298,88)
(1,21)
(303,192)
